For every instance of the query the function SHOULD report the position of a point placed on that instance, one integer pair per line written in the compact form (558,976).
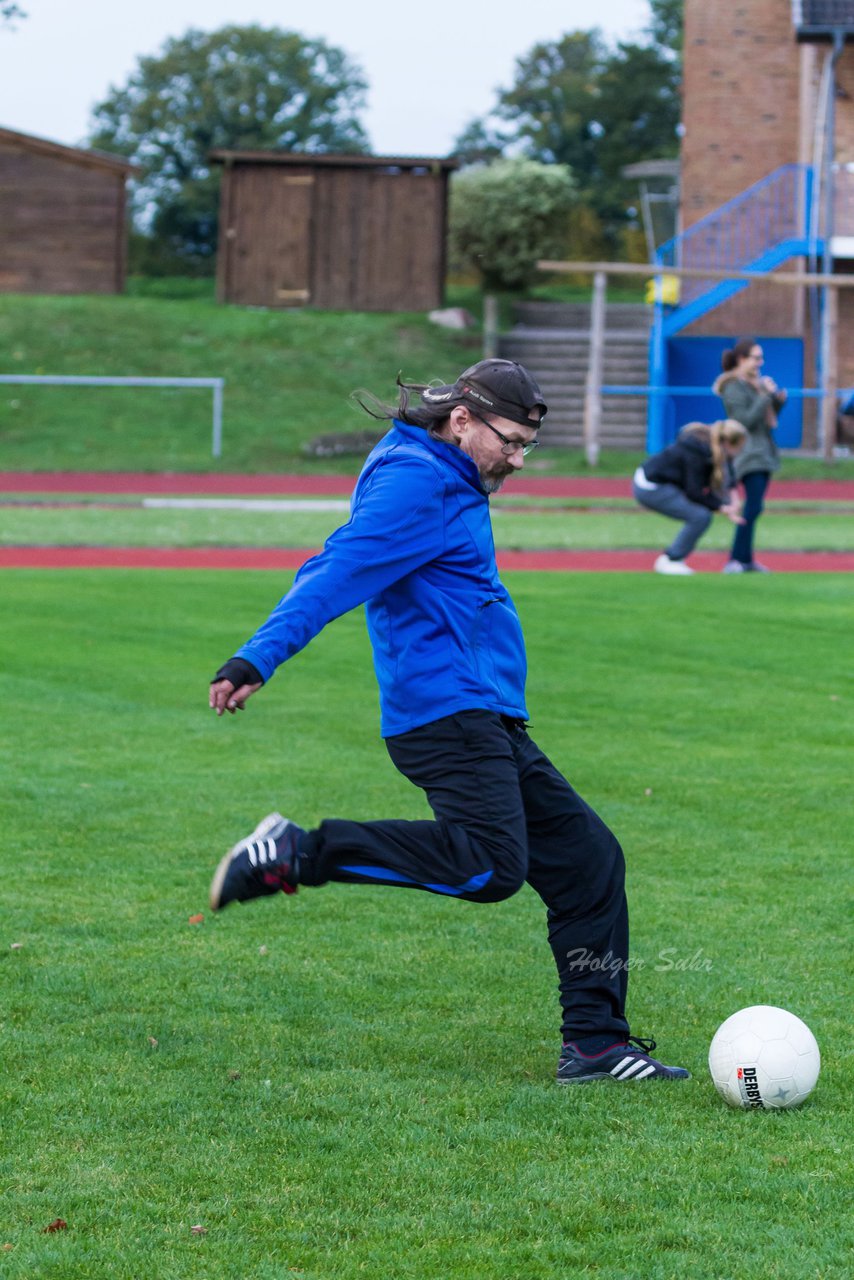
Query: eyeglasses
(508,447)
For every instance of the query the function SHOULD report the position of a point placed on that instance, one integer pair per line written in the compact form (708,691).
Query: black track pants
(503,815)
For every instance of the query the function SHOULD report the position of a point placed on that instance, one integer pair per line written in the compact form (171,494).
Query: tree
(638,111)
(10,11)
(551,107)
(504,216)
(236,88)
(579,103)
(480,143)
(668,23)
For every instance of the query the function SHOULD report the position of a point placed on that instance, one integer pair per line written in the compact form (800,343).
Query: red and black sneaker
(620,1061)
(264,862)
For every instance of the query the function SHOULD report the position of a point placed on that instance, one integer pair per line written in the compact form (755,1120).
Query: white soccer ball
(764,1057)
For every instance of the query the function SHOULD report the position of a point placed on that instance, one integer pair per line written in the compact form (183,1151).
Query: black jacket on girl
(688,464)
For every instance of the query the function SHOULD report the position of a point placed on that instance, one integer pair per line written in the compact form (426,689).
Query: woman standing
(688,481)
(754,401)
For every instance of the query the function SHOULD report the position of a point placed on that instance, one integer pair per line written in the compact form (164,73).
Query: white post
(216,443)
(490,326)
(830,372)
(593,392)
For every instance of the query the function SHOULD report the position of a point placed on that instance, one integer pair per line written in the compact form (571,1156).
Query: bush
(154,258)
(504,216)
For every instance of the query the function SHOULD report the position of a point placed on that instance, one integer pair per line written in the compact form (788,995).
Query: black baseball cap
(502,387)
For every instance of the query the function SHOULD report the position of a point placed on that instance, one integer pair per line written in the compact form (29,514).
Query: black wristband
(239,672)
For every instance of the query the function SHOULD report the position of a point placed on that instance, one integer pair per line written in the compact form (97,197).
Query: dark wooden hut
(62,217)
(344,232)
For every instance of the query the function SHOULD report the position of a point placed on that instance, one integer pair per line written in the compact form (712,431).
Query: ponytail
(740,351)
(727,431)
(418,415)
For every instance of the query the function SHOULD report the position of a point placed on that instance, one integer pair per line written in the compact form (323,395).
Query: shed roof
(74,155)
(337,161)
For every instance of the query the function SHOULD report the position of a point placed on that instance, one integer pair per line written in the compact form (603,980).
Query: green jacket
(750,407)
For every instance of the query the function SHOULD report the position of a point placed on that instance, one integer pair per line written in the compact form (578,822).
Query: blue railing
(758,230)
(774,211)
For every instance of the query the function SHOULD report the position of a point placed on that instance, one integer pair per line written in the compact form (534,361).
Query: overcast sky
(430,68)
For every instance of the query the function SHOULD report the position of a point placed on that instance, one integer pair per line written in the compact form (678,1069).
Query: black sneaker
(621,1061)
(262,863)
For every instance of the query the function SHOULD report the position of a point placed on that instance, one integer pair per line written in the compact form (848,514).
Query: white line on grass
(249,504)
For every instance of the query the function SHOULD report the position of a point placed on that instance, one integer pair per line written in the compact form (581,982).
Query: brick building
(762,132)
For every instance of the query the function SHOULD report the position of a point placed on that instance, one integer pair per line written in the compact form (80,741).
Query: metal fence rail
(216,385)
(645,389)
(773,211)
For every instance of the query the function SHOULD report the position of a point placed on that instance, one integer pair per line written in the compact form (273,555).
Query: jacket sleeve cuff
(239,671)
(257,660)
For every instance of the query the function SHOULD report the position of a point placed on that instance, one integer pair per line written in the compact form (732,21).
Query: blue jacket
(418,551)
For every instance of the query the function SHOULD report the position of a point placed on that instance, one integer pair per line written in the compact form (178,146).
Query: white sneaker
(734,566)
(677,567)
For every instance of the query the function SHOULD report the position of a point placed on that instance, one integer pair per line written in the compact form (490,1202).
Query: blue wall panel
(696,362)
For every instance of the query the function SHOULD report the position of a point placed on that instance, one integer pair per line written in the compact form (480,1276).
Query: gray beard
(491,485)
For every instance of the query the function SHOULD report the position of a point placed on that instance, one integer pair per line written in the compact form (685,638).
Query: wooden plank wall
(357,239)
(378,240)
(265,220)
(62,226)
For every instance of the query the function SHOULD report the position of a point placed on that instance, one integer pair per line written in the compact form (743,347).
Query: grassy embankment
(289,375)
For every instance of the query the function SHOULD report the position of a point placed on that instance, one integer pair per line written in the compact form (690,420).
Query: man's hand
(236,681)
(732,511)
(224,697)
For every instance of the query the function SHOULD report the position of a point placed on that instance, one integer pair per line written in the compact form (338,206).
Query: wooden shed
(62,217)
(343,232)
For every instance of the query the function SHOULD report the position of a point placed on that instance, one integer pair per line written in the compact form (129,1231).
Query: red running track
(211,484)
(632,561)
(247,558)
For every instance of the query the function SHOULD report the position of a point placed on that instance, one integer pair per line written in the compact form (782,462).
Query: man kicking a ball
(450,660)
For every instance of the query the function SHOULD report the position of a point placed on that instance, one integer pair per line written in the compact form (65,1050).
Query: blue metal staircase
(763,227)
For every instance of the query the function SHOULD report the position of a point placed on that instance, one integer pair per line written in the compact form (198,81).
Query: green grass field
(524,525)
(358,1081)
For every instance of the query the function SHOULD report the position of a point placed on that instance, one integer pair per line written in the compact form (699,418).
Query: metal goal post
(215,384)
